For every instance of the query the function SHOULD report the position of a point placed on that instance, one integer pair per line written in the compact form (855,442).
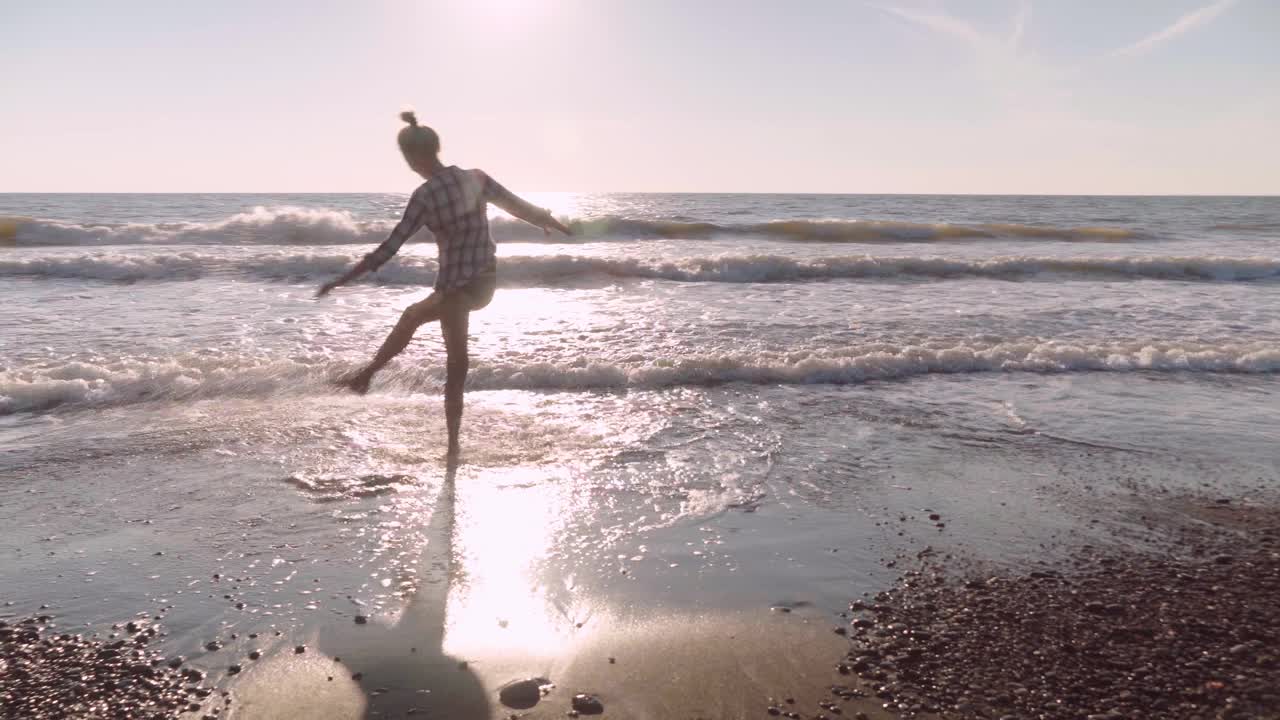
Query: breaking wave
(214,374)
(570,270)
(320,226)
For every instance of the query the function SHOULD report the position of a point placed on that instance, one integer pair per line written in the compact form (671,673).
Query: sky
(841,96)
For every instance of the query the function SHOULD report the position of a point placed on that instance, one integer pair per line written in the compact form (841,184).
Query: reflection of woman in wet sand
(375,671)
(405,666)
(453,205)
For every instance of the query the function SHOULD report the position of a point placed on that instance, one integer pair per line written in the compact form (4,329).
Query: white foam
(212,374)
(559,270)
(260,226)
(289,225)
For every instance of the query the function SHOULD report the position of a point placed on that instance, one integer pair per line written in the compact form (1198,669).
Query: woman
(453,205)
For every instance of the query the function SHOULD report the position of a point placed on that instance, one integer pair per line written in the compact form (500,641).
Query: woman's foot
(357,383)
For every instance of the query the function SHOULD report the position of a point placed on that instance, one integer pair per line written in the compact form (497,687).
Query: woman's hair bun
(410,117)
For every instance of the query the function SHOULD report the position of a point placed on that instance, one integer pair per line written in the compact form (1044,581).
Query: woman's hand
(361,268)
(552,222)
(327,288)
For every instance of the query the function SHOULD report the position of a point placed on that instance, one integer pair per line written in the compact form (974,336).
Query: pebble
(522,694)
(587,704)
(72,676)
(1107,635)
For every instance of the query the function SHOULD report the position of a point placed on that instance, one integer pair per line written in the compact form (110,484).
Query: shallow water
(690,407)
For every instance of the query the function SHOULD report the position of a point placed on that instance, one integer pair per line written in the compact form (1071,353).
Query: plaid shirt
(453,206)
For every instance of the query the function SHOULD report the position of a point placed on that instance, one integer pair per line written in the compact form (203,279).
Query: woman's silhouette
(453,205)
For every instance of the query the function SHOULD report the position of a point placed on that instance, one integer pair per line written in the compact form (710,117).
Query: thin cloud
(1020,24)
(1002,63)
(940,23)
(1182,25)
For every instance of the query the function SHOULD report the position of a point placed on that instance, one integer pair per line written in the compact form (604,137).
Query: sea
(696,401)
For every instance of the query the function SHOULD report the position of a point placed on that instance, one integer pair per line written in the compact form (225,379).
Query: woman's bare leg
(454,325)
(414,317)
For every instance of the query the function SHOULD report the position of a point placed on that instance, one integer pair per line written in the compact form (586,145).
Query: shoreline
(1105,632)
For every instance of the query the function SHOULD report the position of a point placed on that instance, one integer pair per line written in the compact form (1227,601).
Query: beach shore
(1184,626)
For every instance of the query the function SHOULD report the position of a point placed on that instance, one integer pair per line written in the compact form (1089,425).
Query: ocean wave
(215,374)
(320,226)
(884,231)
(260,226)
(1263,227)
(572,270)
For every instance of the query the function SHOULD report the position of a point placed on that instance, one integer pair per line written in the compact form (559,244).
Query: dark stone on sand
(840,631)
(300,649)
(522,694)
(587,704)
(361,620)
(254,654)
(176,662)
(233,670)
(213,646)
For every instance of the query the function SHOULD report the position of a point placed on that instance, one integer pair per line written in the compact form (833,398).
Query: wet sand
(727,615)
(1184,627)
(713,667)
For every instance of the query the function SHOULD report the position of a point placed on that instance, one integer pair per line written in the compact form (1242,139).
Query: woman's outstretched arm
(495,193)
(414,217)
